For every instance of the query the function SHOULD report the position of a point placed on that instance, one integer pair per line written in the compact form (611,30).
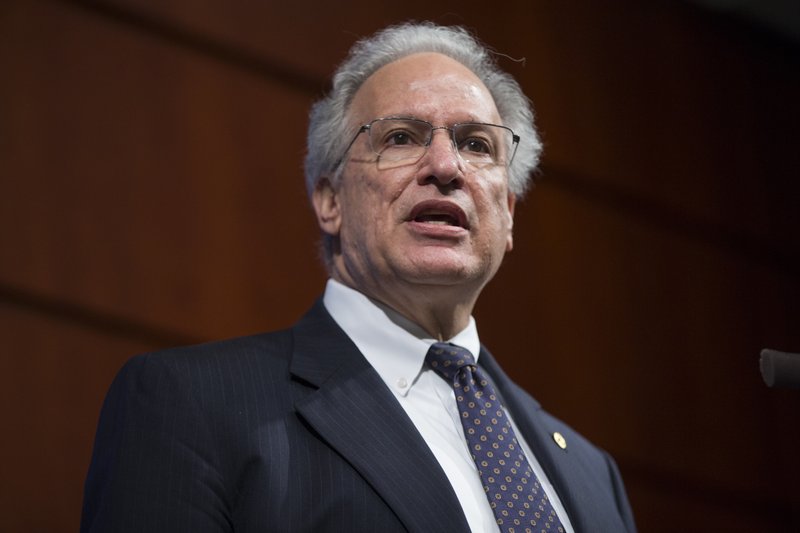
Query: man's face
(429,223)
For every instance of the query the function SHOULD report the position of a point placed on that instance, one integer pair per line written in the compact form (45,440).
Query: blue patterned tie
(517,498)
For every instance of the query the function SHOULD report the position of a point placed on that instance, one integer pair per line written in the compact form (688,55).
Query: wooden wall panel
(286,37)
(55,374)
(138,171)
(151,200)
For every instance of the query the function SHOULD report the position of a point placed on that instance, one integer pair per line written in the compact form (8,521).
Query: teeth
(442,216)
(437,218)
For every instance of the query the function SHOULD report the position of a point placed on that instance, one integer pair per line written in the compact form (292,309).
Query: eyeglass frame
(366,127)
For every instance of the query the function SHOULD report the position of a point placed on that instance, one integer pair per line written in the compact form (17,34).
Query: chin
(443,272)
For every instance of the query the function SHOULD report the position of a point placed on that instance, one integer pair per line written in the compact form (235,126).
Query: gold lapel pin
(560,440)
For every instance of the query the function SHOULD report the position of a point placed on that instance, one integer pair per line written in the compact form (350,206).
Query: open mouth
(439,213)
(437,218)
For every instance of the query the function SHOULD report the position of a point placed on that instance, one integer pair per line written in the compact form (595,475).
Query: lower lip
(438,231)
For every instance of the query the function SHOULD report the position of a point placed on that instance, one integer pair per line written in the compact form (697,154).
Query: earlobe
(326,206)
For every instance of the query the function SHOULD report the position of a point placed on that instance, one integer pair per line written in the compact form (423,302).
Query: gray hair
(329,132)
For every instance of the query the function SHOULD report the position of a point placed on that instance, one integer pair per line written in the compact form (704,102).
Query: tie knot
(446,359)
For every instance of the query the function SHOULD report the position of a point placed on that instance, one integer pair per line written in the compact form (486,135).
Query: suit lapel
(355,413)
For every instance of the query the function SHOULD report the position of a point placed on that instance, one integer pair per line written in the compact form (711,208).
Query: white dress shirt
(396,348)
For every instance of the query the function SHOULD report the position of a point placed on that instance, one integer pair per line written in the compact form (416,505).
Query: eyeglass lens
(406,140)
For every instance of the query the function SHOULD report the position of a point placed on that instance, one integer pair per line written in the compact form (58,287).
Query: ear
(512,201)
(326,205)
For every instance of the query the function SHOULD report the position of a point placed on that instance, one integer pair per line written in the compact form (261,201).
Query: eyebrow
(471,120)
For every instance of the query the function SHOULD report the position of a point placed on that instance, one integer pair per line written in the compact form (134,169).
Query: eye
(397,133)
(476,145)
(477,141)
(399,138)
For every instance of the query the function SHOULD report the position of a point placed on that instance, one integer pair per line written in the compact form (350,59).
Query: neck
(441,317)
(441,310)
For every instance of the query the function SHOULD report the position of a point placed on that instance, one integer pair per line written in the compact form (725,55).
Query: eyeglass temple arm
(361,130)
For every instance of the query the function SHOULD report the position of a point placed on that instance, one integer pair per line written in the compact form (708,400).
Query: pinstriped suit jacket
(294,431)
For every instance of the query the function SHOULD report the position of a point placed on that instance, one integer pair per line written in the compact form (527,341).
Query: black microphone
(780,369)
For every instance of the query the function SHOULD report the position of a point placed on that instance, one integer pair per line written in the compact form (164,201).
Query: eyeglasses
(400,141)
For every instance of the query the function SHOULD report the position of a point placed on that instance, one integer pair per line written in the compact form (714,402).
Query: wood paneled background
(151,195)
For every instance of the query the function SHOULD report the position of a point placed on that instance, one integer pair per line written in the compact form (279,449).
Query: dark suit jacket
(295,431)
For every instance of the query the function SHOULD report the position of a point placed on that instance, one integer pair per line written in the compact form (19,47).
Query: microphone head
(780,369)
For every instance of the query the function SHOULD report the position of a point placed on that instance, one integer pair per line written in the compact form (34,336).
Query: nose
(442,163)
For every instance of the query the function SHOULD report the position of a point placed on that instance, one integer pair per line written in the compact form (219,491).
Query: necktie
(518,500)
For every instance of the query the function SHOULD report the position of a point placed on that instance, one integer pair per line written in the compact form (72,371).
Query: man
(370,414)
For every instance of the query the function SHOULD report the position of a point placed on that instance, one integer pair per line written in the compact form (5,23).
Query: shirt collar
(392,344)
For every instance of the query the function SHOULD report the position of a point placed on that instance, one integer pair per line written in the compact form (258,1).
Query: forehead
(430,86)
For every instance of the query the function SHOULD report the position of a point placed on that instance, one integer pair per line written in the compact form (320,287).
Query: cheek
(495,198)
(497,219)
(366,208)
(381,198)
